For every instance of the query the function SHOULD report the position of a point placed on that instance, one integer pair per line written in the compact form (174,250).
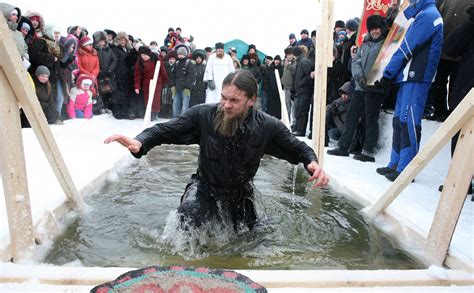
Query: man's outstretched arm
(131,144)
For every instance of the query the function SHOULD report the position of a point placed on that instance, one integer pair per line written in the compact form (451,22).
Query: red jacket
(143,75)
(88,62)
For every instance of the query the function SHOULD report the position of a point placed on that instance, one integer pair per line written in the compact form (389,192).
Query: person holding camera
(336,113)
(365,100)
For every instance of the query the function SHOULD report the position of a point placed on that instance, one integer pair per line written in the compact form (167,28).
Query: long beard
(228,127)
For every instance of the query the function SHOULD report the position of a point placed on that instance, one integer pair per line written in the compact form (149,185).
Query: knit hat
(220,46)
(269,57)
(182,51)
(85,40)
(277,57)
(144,50)
(164,49)
(42,70)
(25,26)
(352,25)
(305,31)
(292,36)
(340,24)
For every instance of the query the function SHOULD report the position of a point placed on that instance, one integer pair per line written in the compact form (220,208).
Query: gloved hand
(211,85)
(187,92)
(383,83)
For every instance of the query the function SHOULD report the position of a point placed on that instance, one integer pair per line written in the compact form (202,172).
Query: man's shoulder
(203,109)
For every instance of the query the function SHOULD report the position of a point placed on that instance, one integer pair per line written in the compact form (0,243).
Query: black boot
(338,152)
(364,158)
(384,170)
(392,176)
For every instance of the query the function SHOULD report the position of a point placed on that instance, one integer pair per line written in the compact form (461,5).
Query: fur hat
(340,24)
(110,32)
(352,25)
(376,21)
(42,70)
(220,46)
(244,57)
(172,54)
(121,35)
(199,53)
(69,42)
(99,36)
(83,77)
(144,50)
(85,40)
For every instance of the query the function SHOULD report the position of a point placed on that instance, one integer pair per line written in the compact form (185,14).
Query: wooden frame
(459,176)
(16,88)
(323,60)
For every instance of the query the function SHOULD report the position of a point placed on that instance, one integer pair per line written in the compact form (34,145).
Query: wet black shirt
(228,162)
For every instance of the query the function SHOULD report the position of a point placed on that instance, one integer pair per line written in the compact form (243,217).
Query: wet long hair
(244,81)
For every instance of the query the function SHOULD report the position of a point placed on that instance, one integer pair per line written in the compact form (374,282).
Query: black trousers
(438,95)
(367,104)
(302,104)
(202,202)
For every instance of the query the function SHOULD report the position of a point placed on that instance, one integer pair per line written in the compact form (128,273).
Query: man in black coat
(233,137)
(303,87)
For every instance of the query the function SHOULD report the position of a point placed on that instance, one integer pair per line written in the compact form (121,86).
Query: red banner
(371,7)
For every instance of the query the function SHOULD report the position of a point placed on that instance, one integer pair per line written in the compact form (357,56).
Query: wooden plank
(13,166)
(269,278)
(281,94)
(460,116)
(453,196)
(25,94)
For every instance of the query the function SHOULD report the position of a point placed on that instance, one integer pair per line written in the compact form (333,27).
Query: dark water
(131,223)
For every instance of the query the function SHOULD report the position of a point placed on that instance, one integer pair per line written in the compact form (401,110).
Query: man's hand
(131,144)
(318,174)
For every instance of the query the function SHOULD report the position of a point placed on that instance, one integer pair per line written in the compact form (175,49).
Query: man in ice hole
(233,137)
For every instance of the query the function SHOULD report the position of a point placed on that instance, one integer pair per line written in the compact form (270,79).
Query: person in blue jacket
(413,66)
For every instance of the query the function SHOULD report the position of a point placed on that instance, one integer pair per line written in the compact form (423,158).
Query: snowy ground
(81,144)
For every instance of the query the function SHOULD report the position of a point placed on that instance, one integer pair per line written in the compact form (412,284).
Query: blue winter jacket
(418,56)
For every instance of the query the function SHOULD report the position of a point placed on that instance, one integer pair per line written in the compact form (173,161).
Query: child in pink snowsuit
(80,104)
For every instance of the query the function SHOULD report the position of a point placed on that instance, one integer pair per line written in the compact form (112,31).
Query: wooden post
(453,196)
(284,111)
(151,95)
(10,61)
(458,118)
(323,41)
(12,162)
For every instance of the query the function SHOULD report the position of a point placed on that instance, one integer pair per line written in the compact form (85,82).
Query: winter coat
(121,72)
(144,71)
(80,100)
(346,56)
(461,44)
(88,62)
(417,58)
(217,69)
(46,100)
(303,83)
(364,61)
(198,93)
(228,162)
(454,14)
(13,26)
(289,71)
(184,74)
(273,94)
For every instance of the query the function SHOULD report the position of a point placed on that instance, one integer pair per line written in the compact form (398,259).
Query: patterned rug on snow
(180,279)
